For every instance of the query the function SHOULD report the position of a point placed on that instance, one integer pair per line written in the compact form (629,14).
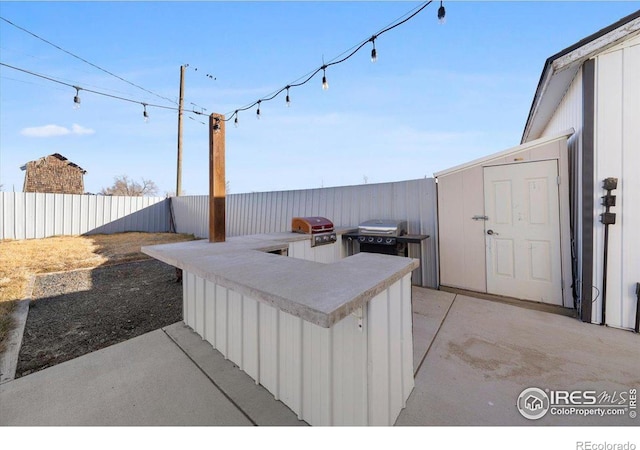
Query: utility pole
(180,106)
(217,184)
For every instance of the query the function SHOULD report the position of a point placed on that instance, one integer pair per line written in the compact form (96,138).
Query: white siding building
(594,88)
(525,223)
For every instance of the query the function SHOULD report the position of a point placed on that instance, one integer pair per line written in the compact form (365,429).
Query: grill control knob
(379,240)
(389,241)
(371,239)
(362,239)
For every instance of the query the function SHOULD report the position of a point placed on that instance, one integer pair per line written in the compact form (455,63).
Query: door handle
(491,232)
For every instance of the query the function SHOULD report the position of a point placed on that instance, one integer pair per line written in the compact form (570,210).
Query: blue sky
(438,96)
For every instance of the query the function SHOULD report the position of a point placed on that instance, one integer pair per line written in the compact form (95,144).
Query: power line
(335,61)
(79,88)
(84,60)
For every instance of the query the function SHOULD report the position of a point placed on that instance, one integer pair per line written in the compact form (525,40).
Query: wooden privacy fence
(27,215)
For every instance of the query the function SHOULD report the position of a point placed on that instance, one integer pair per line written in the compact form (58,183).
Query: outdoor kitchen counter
(329,336)
(322,294)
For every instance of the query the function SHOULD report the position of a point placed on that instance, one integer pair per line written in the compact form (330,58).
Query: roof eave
(571,59)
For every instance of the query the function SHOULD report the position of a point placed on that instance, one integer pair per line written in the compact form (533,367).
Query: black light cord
(324,66)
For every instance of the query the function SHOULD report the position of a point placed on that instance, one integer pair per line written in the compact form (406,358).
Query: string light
(76,99)
(325,83)
(145,114)
(374,53)
(441,14)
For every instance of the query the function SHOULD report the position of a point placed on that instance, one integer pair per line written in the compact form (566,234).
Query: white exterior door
(522,233)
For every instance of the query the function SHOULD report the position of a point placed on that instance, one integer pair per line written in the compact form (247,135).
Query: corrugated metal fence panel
(27,215)
(271,212)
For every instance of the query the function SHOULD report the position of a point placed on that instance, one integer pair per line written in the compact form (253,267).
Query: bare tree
(122,185)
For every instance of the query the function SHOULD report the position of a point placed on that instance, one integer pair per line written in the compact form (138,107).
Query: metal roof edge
(548,71)
(526,146)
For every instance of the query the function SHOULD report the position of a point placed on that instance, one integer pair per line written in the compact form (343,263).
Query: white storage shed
(504,225)
(508,226)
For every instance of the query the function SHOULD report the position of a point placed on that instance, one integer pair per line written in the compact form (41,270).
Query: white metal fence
(267,212)
(31,215)
(36,215)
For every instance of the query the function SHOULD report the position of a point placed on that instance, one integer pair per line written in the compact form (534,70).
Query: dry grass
(19,260)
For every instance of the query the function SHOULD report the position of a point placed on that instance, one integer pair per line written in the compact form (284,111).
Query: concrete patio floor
(473,358)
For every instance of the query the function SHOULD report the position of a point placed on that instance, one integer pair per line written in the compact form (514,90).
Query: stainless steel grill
(381,236)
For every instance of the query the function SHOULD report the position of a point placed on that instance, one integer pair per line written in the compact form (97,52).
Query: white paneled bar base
(331,337)
(357,372)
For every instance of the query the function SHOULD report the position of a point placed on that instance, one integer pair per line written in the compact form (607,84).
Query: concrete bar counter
(331,339)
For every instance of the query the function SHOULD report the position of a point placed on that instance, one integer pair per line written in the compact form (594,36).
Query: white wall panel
(269,348)
(210,312)
(222,326)
(616,155)
(250,338)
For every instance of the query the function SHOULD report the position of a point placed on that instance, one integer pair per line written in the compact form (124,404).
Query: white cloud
(80,130)
(46,131)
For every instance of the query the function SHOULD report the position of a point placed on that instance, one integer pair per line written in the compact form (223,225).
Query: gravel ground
(74,313)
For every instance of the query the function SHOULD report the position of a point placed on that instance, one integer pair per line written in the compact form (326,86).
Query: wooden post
(217,184)
(180,108)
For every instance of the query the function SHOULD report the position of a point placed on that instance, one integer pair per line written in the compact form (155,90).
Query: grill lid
(383,227)
(311,225)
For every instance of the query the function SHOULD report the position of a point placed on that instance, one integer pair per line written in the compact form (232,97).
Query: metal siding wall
(303,364)
(616,140)
(269,346)
(408,370)
(350,400)
(378,354)
(630,194)
(27,215)
(569,114)
(210,313)
(270,212)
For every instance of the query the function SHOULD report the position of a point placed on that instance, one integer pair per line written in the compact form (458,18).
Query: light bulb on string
(235,121)
(145,114)
(441,14)
(374,53)
(288,99)
(258,110)
(76,98)
(325,83)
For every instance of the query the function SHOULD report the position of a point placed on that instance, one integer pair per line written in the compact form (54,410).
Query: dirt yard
(78,312)
(21,260)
